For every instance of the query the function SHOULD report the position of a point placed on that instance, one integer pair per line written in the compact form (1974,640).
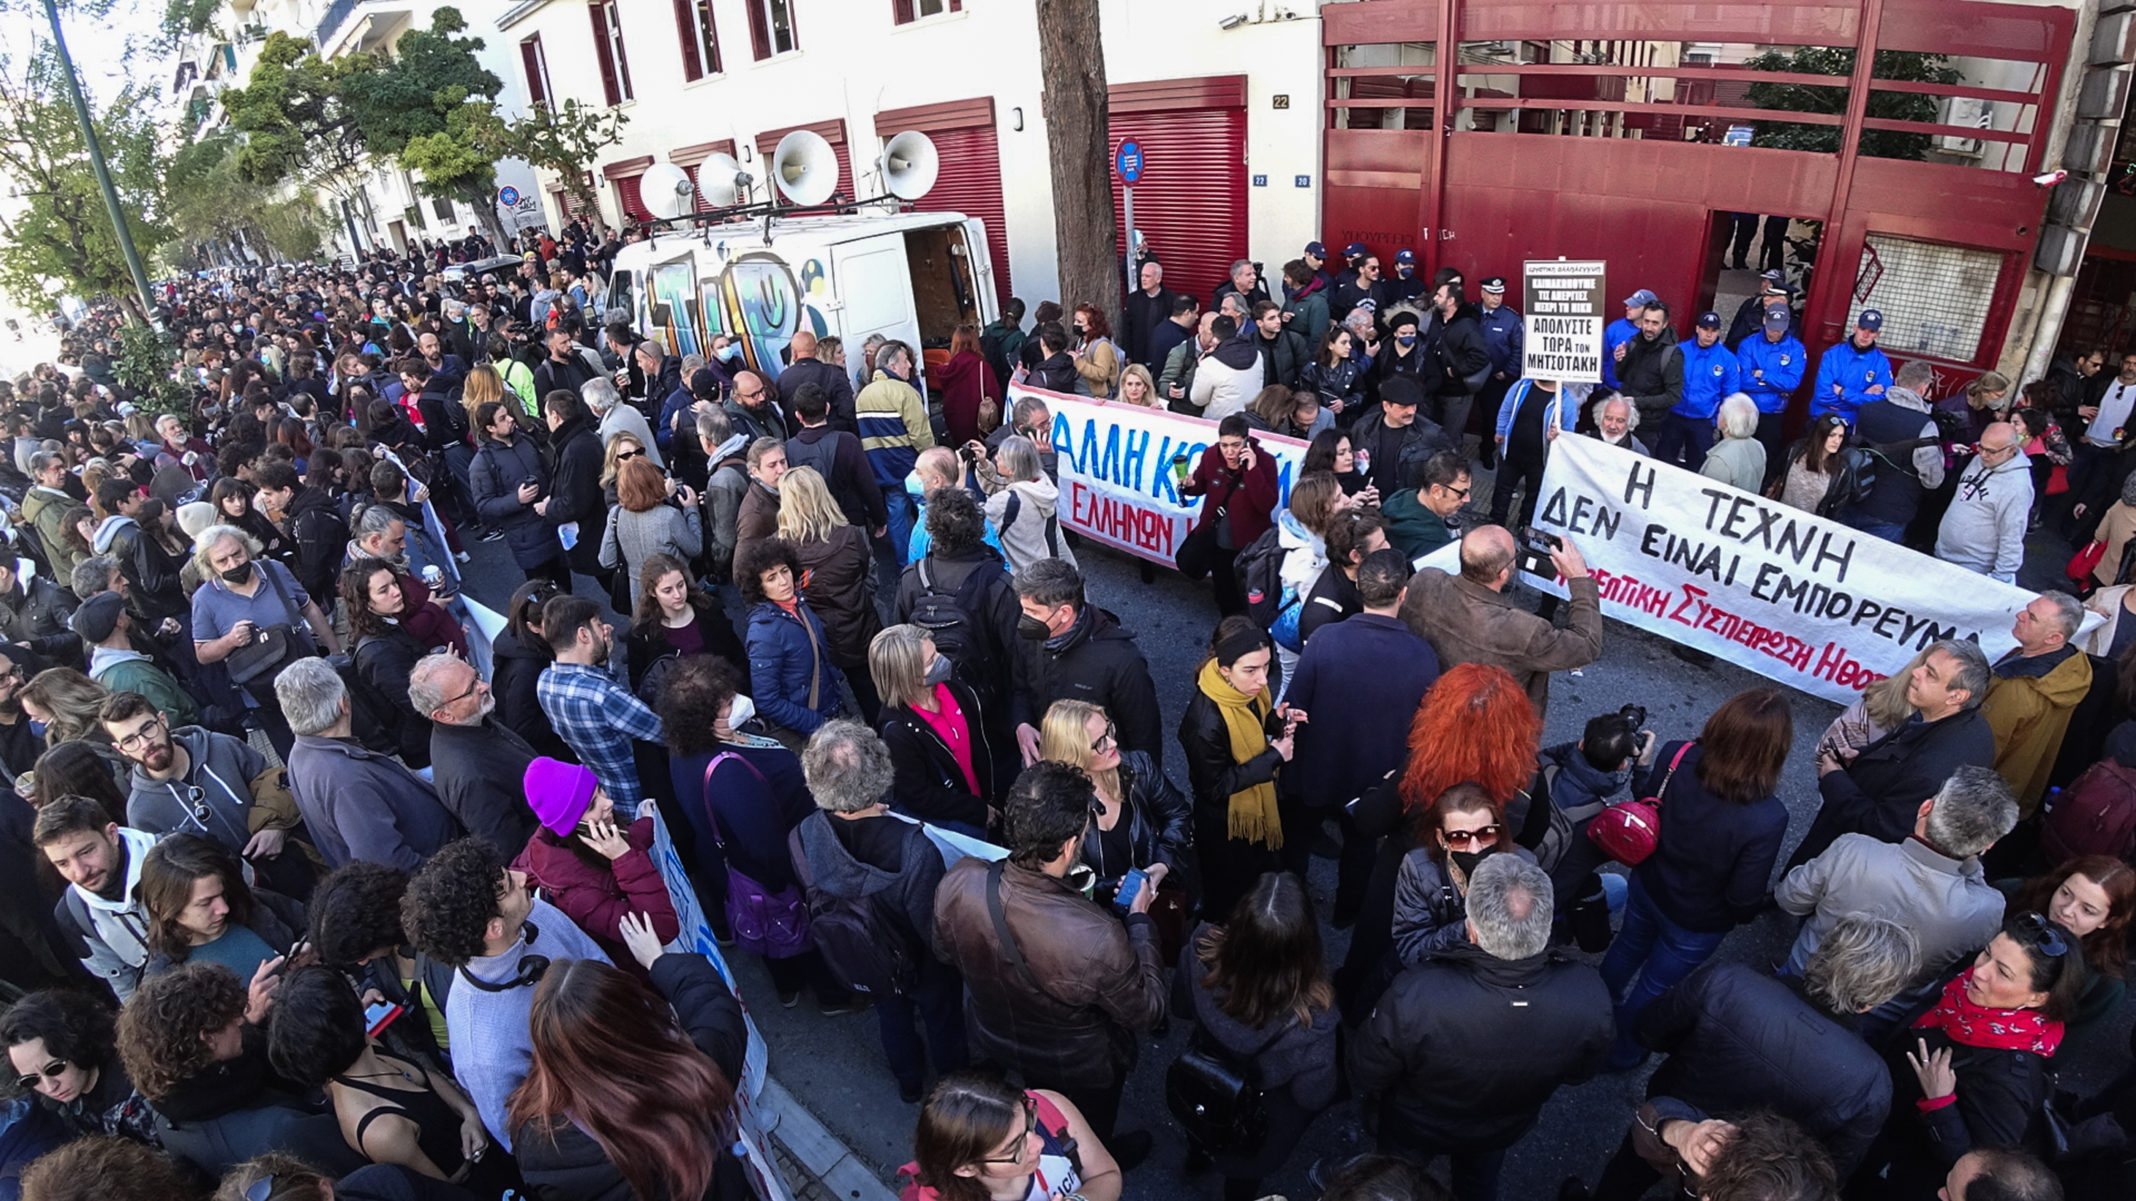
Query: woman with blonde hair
(837,568)
(643,524)
(67,702)
(942,762)
(1137,388)
(1141,821)
(1881,709)
(484,385)
(622,448)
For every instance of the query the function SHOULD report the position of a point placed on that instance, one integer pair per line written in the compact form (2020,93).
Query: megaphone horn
(910,165)
(721,181)
(804,168)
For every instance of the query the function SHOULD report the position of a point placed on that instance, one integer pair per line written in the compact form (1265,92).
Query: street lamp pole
(97,164)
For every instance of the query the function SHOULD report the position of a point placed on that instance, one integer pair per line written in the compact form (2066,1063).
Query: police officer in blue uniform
(1502,333)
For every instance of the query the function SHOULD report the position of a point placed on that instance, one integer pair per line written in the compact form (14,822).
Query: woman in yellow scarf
(1232,760)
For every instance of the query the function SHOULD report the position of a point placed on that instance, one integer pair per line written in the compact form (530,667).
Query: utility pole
(97,164)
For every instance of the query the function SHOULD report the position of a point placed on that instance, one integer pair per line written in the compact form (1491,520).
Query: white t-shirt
(2113,413)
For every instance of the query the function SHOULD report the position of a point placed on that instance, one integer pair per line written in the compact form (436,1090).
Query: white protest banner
(1117,482)
(1564,317)
(696,935)
(1803,600)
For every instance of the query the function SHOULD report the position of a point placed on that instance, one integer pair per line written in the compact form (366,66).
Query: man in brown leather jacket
(1061,997)
(1468,618)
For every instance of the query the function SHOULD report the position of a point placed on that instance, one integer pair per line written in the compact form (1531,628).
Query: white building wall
(854,62)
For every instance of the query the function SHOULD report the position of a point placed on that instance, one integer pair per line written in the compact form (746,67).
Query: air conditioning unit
(1967,111)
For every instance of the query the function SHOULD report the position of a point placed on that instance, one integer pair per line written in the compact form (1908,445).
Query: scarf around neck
(1977,1026)
(1252,814)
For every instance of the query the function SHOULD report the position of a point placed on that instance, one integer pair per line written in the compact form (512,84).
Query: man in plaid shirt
(596,716)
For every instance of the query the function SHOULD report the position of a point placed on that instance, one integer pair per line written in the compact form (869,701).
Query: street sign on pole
(1564,315)
(1128,162)
(508,196)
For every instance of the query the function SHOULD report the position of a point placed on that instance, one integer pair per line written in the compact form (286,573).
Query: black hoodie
(319,534)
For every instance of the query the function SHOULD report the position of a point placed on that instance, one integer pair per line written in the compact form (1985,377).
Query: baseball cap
(1777,317)
(1495,285)
(1709,320)
(1316,250)
(1354,249)
(1405,255)
(1775,280)
(1870,320)
(1643,297)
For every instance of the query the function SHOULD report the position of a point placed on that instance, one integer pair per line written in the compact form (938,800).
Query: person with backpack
(1897,456)
(1001,343)
(870,879)
(942,758)
(1257,990)
(2096,813)
(1022,503)
(1238,484)
(1278,569)
(1579,779)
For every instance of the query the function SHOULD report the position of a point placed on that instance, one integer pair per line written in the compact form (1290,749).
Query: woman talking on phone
(1239,484)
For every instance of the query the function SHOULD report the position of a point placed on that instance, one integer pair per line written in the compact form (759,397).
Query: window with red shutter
(537,68)
(904,12)
(699,38)
(608,47)
(771,27)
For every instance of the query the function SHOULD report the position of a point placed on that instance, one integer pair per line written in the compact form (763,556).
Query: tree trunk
(484,202)
(1072,68)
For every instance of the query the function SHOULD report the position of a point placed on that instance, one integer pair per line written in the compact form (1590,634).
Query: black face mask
(1467,860)
(238,574)
(1032,628)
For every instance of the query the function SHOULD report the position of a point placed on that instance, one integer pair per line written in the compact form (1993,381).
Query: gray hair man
(358,804)
(1737,1039)
(2036,687)
(1931,881)
(615,417)
(1430,1057)
(1984,528)
(477,762)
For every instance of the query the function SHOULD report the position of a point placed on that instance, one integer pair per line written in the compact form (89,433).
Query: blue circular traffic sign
(508,196)
(1128,162)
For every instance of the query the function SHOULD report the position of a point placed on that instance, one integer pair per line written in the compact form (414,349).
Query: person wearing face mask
(1236,742)
(743,794)
(1460,830)
(588,863)
(242,595)
(1073,649)
(936,468)
(1402,355)
(943,763)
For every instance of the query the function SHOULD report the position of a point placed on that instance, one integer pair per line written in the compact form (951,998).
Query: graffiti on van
(756,297)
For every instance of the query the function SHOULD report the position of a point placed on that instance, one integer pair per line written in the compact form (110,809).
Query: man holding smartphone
(507,479)
(1468,618)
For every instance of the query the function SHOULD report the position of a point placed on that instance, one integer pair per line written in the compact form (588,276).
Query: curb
(818,1152)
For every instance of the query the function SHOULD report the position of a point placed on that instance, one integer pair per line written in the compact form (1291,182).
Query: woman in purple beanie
(587,865)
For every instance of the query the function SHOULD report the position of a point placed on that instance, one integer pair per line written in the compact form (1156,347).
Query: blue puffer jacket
(780,656)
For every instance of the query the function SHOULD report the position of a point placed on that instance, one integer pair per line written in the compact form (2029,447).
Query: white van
(913,277)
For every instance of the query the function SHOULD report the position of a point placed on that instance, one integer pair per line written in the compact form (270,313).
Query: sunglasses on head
(51,1071)
(2046,933)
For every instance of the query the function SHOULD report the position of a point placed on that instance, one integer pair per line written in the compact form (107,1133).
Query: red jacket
(1250,496)
(966,381)
(597,900)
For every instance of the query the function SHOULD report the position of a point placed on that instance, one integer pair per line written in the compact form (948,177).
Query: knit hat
(559,793)
(195,517)
(98,616)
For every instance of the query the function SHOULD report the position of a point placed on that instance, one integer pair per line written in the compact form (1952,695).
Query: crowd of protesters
(315,890)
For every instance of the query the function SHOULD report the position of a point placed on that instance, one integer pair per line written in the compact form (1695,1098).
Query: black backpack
(1215,1092)
(951,619)
(864,948)
(996,356)
(1260,571)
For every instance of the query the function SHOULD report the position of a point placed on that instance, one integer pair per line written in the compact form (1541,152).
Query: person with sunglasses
(1457,833)
(981,1140)
(1981,1060)
(63,1047)
(1139,820)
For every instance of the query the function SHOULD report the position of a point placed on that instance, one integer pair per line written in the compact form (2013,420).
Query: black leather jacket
(1159,822)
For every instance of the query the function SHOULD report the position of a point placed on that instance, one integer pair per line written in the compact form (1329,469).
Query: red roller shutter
(625,176)
(832,131)
(1191,203)
(970,178)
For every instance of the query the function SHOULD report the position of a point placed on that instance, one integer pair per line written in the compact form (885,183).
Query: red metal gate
(1191,203)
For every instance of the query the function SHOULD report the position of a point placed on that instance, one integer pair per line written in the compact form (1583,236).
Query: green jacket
(1411,528)
(1011,337)
(1310,317)
(131,671)
(46,510)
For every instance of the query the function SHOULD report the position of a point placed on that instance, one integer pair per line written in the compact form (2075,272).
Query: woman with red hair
(1474,726)
(629,1090)
(967,384)
(1097,360)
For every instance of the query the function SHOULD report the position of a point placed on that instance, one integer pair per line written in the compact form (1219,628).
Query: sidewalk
(815,1165)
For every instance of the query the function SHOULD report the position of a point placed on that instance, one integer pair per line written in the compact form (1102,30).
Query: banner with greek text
(1116,474)
(1806,601)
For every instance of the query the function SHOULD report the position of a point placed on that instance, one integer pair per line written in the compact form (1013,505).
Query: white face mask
(741,712)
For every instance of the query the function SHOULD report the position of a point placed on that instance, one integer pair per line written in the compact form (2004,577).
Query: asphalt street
(835,1065)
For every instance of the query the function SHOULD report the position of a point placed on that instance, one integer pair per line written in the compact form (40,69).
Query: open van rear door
(873,285)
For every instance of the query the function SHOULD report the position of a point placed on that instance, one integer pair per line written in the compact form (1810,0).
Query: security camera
(1231,22)
(2050,179)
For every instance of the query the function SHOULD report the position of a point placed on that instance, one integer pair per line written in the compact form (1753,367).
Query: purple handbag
(767,923)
